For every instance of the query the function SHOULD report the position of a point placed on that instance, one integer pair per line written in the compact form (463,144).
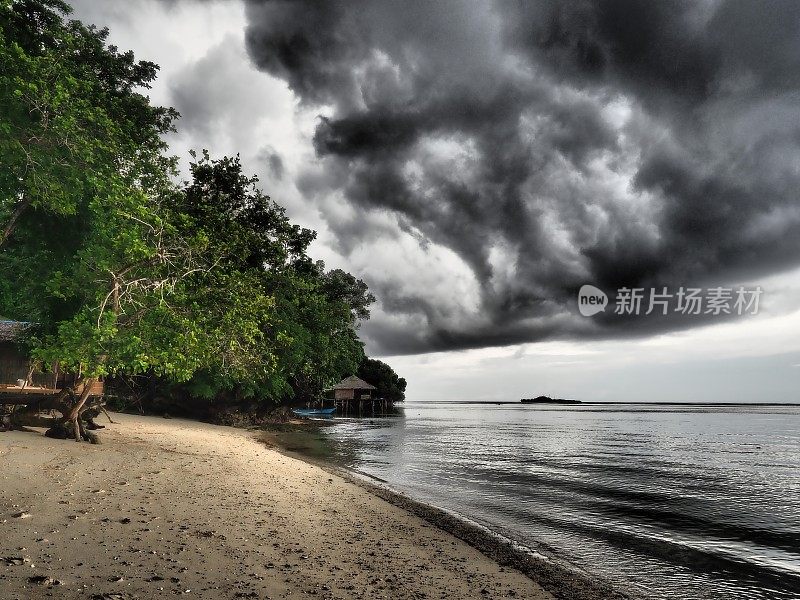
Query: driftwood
(102,407)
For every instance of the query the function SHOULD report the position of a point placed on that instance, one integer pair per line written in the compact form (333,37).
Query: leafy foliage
(308,336)
(206,283)
(382,376)
(71,122)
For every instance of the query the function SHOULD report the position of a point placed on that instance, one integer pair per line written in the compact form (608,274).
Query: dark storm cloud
(272,161)
(614,143)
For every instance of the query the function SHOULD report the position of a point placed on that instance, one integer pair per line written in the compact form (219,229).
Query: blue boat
(314,412)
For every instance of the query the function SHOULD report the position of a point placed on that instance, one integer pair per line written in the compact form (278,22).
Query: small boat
(314,412)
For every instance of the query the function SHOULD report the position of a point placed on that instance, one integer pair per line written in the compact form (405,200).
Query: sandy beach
(171,507)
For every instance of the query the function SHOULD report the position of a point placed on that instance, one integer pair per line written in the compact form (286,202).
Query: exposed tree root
(65,431)
(78,413)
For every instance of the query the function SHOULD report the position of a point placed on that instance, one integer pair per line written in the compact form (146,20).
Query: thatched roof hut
(353,388)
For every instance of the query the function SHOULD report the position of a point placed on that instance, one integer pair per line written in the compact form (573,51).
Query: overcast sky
(476,163)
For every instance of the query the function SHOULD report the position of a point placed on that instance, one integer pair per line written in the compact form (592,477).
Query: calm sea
(670,501)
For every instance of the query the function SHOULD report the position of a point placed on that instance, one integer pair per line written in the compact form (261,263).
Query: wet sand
(172,507)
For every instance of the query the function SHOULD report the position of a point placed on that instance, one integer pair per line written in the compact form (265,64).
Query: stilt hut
(353,394)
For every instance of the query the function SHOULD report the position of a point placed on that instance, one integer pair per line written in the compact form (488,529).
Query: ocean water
(678,502)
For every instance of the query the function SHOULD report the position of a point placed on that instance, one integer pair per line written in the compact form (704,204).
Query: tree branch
(22,205)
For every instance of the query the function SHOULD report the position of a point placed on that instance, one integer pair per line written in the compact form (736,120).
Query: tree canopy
(126,271)
(382,376)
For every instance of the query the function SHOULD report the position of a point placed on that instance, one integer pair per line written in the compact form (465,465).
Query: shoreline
(556,575)
(173,507)
(614,403)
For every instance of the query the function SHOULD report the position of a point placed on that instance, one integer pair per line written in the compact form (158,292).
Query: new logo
(591,300)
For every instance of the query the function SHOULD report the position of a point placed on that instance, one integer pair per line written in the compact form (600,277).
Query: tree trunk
(75,411)
(72,414)
(12,222)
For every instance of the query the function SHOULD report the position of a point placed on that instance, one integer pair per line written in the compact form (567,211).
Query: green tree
(114,277)
(73,129)
(70,119)
(207,284)
(382,376)
(312,335)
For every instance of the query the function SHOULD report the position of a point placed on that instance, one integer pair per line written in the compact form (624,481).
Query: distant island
(548,400)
